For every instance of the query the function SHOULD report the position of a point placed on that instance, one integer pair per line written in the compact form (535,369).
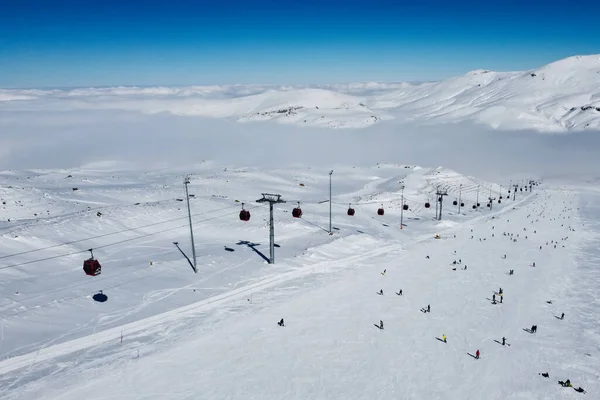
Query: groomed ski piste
(167,332)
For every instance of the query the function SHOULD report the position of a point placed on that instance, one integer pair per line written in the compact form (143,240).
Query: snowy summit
(562,96)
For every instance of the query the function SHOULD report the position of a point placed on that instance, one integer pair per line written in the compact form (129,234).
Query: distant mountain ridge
(559,97)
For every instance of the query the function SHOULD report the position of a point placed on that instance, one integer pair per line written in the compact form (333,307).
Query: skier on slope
(444,337)
(477,354)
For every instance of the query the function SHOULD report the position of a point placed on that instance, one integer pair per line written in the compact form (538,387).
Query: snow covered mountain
(562,96)
(149,327)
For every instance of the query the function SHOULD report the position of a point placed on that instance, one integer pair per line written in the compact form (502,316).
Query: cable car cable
(108,234)
(114,243)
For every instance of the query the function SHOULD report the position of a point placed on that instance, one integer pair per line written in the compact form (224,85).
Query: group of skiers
(500,292)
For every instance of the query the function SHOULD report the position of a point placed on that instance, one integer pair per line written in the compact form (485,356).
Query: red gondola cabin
(244,214)
(380,211)
(297,212)
(350,211)
(92,266)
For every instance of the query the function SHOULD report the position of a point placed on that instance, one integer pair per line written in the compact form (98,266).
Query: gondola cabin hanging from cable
(427,205)
(244,214)
(474,207)
(455,202)
(380,211)
(405,207)
(350,210)
(297,212)
(462,204)
(92,266)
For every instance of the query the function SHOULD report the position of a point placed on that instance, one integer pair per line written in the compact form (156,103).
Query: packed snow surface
(561,96)
(167,332)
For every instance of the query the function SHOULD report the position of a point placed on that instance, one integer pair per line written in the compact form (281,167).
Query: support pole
(491,199)
(402,208)
(440,199)
(271,199)
(437,205)
(187,197)
(477,203)
(330,228)
(271,235)
(459,196)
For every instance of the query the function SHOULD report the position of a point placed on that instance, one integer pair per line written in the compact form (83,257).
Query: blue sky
(56,43)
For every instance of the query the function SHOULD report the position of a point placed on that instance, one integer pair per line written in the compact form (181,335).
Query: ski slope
(559,97)
(166,332)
